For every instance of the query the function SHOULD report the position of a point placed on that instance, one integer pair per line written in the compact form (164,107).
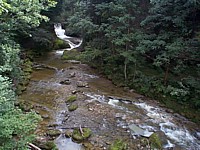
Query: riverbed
(109,111)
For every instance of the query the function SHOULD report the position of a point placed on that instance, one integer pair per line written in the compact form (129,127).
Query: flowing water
(108,110)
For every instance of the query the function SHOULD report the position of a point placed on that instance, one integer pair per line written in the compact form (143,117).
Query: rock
(169,111)
(108,143)
(72,107)
(45,116)
(155,141)
(73,61)
(71,99)
(118,115)
(139,131)
(53,133)
(68,133)
(74,92)
(78,136)
(66,82)
(118,145)
(90,109)
(197,135)
(53,125)
(88,145)
(82,84)
(73,74)
(162,137)
(48,145)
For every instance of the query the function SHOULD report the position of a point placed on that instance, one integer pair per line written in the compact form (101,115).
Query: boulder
(139,131)
(72,107)
(78,136)
(82,84)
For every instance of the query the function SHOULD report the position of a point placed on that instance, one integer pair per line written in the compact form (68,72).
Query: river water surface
(107,110)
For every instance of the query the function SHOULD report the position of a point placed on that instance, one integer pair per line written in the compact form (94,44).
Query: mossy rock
(71,99)
(155,141)
(53,133)
(118,145)
(72,107)
(70,55)
(49,145)
(68,133)
(60,44)
(77,136)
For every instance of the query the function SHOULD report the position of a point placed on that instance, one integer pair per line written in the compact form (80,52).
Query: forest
(150,46)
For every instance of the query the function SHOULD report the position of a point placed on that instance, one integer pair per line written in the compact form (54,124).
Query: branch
(33,147)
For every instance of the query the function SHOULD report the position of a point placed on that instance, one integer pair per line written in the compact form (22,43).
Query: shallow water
(108,110)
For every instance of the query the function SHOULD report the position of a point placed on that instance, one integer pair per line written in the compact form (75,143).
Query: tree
(16,128)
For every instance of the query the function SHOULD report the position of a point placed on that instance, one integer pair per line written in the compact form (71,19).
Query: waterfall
(60,33)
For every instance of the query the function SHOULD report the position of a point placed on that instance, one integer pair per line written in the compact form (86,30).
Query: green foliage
(59,44)
(16,127)
(7,95)
(70,55)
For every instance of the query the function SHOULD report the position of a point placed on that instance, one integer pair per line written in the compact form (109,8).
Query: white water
(176,133)
(60,33)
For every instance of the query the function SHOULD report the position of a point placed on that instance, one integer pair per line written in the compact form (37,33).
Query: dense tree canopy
(151,46)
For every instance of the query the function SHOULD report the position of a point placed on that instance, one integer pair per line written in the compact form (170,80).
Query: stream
(109,111)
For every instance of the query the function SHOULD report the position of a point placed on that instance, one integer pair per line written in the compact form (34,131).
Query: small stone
(90,109)
(108,143)
(82,84)
(66,82)
(45,116)
(74,92)
(169,111)
(73,74)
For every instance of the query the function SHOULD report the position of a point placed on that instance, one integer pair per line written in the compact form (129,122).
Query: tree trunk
(125,71)
(166,75)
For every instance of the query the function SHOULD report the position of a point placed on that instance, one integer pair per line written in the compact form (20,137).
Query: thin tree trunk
(125,71)
(166,75)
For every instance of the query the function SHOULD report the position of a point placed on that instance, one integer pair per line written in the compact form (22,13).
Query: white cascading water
(176,133)
(60,33)
(179,135)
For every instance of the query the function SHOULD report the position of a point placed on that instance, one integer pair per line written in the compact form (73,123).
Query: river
(109,111)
